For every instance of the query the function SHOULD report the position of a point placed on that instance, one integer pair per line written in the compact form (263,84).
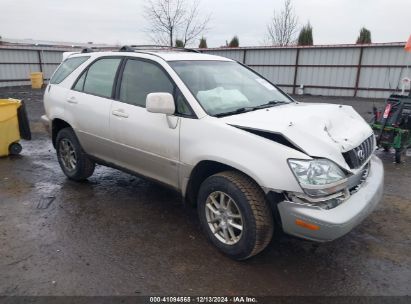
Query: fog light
(306,225)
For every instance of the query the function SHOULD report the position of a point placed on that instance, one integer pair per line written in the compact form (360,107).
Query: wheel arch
(57,125)
(201,171)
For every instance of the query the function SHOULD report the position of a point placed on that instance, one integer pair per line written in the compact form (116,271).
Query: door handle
(120,113)
(71,100)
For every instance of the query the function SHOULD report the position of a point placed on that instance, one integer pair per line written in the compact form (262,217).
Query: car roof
(174,56)
(165,55)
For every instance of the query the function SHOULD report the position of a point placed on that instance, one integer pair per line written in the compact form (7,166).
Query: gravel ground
(117,234)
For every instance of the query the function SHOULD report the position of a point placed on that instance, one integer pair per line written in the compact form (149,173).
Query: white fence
(372,71)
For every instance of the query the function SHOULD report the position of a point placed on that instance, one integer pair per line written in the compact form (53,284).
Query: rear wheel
(235,215)
(72,159)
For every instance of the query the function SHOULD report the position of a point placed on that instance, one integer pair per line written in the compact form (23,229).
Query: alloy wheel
(67,155)
(224,217)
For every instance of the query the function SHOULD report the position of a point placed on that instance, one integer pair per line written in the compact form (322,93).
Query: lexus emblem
(361,154)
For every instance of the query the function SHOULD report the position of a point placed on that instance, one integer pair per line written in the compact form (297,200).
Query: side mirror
(160,103)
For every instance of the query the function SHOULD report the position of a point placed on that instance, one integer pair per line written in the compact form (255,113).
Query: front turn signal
(306,225)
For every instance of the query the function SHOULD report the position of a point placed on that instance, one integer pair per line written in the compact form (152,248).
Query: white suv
(249,156)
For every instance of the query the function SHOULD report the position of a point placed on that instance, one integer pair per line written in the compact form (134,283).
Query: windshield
(226,87)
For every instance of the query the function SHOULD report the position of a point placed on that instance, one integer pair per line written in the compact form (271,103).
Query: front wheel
(72,159)
(235,215)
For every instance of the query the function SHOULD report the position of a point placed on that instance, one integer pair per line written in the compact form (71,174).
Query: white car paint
(320,130)
(167,148)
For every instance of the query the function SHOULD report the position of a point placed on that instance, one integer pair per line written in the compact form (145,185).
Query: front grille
(356,181)
(356,157)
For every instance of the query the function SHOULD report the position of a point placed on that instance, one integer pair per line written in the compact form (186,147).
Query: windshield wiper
(269,104)
(237,111)
(249,109)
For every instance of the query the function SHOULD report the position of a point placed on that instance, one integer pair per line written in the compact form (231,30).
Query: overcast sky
(122,21)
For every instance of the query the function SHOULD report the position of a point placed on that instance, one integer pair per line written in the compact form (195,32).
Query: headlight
(318,177)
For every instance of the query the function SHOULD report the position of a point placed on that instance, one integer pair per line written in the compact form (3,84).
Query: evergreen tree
(235,42)
(306,35)
(179,43)
(365,36)
(203,43)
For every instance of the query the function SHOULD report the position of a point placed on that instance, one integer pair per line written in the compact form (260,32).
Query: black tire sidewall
(243,248)
(77,174)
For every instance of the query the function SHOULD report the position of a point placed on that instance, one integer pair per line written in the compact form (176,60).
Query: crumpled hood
(320,130)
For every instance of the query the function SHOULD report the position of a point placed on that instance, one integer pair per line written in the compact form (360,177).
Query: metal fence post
(244,56)
(357,80)
(297,55)
(40,62)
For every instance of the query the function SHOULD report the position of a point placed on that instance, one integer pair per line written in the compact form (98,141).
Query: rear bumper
(334,223)
(46,123)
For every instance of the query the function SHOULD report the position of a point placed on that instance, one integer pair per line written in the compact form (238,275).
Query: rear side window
(100,77)
(66,68)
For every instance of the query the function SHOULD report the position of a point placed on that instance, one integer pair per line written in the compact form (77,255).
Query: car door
(146,143)
(90,103)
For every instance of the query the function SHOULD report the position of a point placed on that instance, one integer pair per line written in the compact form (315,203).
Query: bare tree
(164,16)
(175,19)
(283,26)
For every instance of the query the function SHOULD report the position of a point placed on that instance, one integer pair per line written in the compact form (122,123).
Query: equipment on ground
(392,126)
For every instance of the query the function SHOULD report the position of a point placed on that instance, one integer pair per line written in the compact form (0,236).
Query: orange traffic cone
(408,45)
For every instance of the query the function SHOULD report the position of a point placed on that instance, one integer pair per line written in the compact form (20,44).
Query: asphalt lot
(120,235)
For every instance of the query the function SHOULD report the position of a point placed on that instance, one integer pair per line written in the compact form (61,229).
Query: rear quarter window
(100,77)
(66,68)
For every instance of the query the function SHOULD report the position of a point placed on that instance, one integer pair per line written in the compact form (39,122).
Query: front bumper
(334,223)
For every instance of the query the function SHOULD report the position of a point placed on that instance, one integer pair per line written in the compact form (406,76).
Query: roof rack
(134,48)
(87,50)
(97,49)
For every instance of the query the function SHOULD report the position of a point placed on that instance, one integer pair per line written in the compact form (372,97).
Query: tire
(398,153)
(249,200)
(67,146)
(15,149)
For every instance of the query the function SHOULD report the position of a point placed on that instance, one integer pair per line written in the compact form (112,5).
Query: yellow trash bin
(9,127)
(36,80)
